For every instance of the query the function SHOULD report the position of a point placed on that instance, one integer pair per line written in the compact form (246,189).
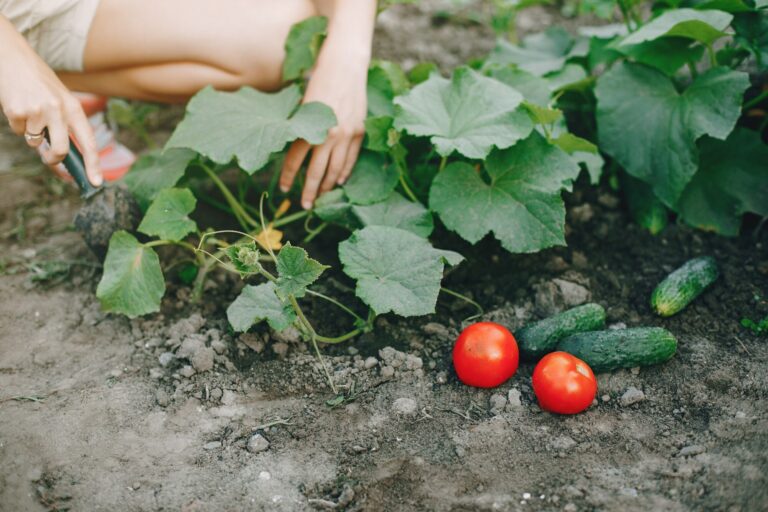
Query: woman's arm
(33,98)
(339,80)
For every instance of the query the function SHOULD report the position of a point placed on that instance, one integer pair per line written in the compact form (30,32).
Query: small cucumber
(622,348)
(683,285)
(646,209)
(540,338)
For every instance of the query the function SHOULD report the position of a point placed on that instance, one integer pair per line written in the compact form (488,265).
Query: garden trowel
(106,209)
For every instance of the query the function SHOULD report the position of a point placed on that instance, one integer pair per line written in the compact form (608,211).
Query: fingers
(335,165)
(315,173)
(35,125)
(58,133)
(293,160)
(354,152)
(86,142)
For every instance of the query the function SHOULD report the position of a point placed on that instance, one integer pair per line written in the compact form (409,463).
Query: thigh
(234,36)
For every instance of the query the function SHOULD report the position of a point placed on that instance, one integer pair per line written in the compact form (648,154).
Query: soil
(99,412)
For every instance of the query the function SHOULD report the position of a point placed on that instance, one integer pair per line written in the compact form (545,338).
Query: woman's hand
(339,80)
(34,99)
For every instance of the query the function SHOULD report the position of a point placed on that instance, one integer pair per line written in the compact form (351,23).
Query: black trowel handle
(75,166)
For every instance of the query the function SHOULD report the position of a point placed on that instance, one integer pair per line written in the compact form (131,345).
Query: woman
(166,50)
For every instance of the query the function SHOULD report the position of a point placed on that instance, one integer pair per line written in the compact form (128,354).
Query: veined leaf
(373,179)
(732,180)
(470,113)
(704,26)
(168,216)
(653,131)
(249,125)
(533,88)
(539,54)
(302,47)
(395,270)
(385,81)
(667,54)
(296,271)
(156,171)
(132,283)
(521,205)
(258,303)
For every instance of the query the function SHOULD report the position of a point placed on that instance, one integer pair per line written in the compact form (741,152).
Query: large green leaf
(667,54)
(704,26)
(539,53)
(470,113)
(373,179)
(296,271)
(168,216)
(584,152)
(395,270)
(302,46)
(752,33)
(156,171)
(652,132)
(521,205)
(258,303)
(132,283)
(385,81)
(533,88)
(249,125)
(732,180)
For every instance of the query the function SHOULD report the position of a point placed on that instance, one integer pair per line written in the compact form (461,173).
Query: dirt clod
(631,396)
(257,444)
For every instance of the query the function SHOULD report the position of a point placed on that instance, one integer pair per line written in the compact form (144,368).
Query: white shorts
(56,29)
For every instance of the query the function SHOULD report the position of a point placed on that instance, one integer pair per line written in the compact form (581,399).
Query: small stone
(213,445)
(573,294)
(216,394)
(155,373)
(387,354)
(187,371)
(573,492)
(579,260)
(513,399)
(136,486)
(441,378)
(280,349)
(526,495)
(563,443)
(162,397)
(608,200)
(436,329)
(405,406)
(265,475)
(387,372)
(290,335)
(370,362)
(690,451)
(741,415)
(228,397)
(635,370)
(359,449)
(166,358)
(257,444)
(582,213)
(570,507)
(219,346)
(413,362)
(353,351)
(606,398)
(460,451)
(617,326)
(632,396)
(253,341)
(497,403)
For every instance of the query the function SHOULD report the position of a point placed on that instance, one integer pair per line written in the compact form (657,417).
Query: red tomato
(485,355)
(563,383)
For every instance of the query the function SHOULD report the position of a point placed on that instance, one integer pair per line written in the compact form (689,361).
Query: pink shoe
(115,159)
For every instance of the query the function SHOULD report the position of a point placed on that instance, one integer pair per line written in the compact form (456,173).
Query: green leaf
(543,115)
(378,133)
(373,179)
(397,212)
(249,125)
(646,209)
(156,171)
(132,283)
(667,54)
(732,180)
(245,258)
(703,26)
(167,217)
(258,303)
(652,132)
(385,81)
(470,114)
(570,74)
(539,53)
(732,6)
(395,270)
(421,71)
(752,33)
(521,205)
(302,46)
(296,271)
(584,152)
(533,88)
(334,207)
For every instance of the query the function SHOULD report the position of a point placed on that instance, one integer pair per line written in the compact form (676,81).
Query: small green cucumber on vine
(610,350)
(683,285)
(538,339)
(646,209)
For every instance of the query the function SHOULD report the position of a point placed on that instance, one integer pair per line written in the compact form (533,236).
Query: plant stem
(756,100)
(282,221)
(712,58)
(180,243)
(443,162)
(407,189)
(625,14)
(336,303)
(466,299)
(312,234)
(243,217)
(338,339)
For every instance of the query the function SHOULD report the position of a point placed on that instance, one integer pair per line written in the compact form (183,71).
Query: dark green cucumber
(683,285)
(646,209)
(622,348)
(538,339)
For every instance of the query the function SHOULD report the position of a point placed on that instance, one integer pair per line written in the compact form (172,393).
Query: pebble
(741,415)
(582,213)
(617,326)
(265,475)
(632,396)
(691,450)
(513,399)
(280,349)
(187,371)
(370,362)
(436,329)
(219,346)
(136,486)
(257,444)
(162,397)
(166,358)
(387,372)
(212,445)
(606,398)
(570,507)
(497,403)
(155,373)
(289,335)
(413,362)
(405,406)
(193,348)
(216,394)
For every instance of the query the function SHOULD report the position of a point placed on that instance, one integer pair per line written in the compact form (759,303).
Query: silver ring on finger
(34,137)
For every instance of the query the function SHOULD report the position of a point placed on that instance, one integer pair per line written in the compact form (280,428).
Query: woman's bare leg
(167,51)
